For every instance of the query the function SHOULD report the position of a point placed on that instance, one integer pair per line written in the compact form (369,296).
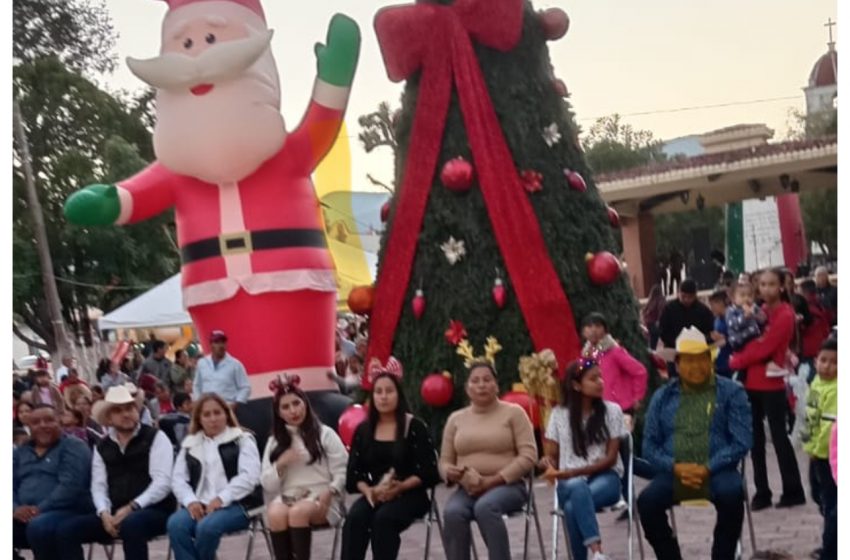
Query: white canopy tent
(161,306)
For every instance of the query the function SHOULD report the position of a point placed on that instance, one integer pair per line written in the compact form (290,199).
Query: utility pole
(51,294)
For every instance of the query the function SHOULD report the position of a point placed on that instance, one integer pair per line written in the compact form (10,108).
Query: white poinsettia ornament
(551,134)
(454,250)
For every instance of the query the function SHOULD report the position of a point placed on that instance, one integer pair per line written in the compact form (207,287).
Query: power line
(698,107)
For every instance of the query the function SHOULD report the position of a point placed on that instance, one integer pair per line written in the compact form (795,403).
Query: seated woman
(488,447)
(393,463)
(216,479)
(583,440)
(303,472)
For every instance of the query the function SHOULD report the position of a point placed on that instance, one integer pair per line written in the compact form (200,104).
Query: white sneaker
(599,556)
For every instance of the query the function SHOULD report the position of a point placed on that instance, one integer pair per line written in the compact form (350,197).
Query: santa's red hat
(253,5)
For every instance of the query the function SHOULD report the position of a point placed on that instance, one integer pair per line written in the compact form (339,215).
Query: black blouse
(369,461)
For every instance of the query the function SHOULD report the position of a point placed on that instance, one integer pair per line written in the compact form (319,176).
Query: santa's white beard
(226,134)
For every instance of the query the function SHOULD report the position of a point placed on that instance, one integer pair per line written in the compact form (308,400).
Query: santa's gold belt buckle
(235,243)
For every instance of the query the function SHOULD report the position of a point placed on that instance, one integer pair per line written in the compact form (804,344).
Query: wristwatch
(134,505)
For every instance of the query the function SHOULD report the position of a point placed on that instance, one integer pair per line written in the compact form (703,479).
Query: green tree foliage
(78,134)
(77,32)
(820,216)
(572,224)
(612,145)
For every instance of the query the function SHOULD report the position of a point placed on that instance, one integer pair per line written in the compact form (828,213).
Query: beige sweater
(495,440)
(300,479)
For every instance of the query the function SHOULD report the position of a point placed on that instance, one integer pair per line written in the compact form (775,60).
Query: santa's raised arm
(255,263)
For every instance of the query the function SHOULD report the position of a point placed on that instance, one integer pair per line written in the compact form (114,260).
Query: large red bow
(438,39)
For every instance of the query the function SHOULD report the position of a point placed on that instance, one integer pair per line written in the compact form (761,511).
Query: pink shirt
(833,452)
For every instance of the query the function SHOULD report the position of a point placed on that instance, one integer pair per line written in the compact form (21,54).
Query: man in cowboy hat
(221,373)
(697,431)
(131,483)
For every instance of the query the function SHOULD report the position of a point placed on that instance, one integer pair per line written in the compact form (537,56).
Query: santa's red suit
(259,270)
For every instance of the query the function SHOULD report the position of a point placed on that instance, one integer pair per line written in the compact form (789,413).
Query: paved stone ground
(796,531)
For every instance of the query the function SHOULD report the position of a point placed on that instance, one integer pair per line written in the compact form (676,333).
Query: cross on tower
(830,24)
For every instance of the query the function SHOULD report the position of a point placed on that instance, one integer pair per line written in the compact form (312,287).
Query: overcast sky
(619,56)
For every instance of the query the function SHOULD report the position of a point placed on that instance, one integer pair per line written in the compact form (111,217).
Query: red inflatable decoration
(437,389)
(353,416)
(602,268)
(528,404)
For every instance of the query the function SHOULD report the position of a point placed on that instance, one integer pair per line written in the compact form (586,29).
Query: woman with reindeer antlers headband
(393,463)
(303,472)
(488,447)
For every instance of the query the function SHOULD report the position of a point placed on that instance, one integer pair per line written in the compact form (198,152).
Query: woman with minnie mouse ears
(393,463)
(303,472)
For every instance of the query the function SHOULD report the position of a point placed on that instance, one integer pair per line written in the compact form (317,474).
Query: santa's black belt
(240,242)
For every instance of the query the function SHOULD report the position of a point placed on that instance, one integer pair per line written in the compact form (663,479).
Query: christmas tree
(474,258)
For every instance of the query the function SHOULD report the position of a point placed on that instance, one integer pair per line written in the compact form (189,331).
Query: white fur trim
(126,201)
(312,379)
(279,281)
(330,96)
(201,10)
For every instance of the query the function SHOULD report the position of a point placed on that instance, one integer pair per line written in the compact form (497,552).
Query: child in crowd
(163,399)
(822,410)
(745,321)
(718,302)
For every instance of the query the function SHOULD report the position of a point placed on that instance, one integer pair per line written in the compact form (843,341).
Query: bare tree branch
(28,340)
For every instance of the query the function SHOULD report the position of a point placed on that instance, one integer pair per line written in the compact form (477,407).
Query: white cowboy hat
(115,396)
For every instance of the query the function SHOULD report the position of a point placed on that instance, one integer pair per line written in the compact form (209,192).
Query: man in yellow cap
(697,431)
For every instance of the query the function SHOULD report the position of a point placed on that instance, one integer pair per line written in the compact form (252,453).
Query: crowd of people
(155,447)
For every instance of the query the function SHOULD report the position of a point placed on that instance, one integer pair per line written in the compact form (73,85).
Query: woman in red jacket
(767,394)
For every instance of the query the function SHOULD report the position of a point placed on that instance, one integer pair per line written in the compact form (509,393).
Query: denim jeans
(198,540)
(579,498)
(39,535)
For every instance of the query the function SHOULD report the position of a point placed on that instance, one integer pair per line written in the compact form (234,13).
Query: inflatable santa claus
(255,260)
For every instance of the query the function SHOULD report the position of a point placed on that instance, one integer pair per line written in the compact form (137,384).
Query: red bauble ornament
(528,404)
(360,299)
(385,211)
(613,217)
(437,389)
(575,180)
(555,23)
(350,418)
(499,293)
(532,181)
(602,268)
(560,87)
(457,175)
(418,304)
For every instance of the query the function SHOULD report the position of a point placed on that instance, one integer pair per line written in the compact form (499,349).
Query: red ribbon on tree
(438,39)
